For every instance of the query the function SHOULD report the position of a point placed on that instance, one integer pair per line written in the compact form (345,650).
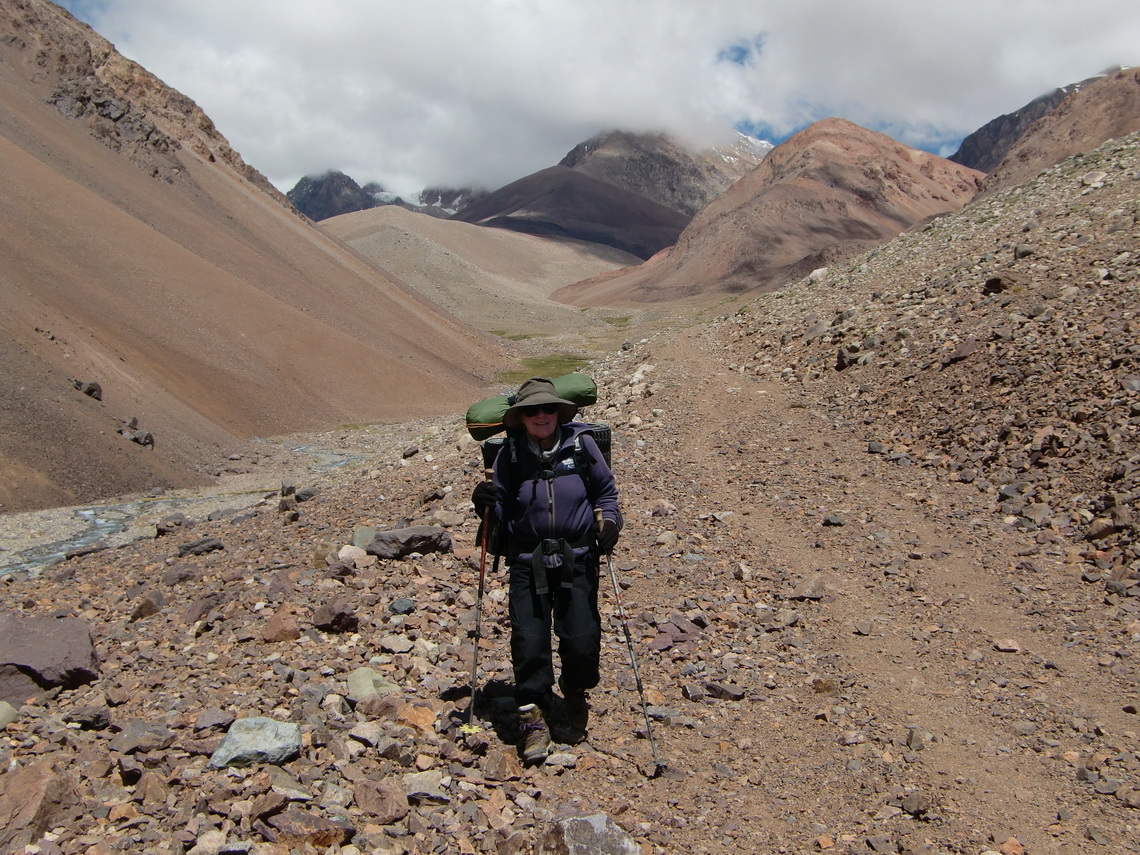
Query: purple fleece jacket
(529,502)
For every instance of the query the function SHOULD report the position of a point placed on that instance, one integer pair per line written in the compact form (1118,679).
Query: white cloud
(417,92)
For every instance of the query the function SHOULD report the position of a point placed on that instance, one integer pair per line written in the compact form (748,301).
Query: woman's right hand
(484,497)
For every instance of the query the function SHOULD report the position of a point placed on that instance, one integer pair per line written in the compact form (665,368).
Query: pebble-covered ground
(879,568)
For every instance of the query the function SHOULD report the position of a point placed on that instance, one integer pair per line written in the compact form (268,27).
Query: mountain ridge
(821,195)
(562,202)
(660,168)
(1108,107)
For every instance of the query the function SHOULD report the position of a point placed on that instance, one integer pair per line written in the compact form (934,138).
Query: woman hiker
(549,479)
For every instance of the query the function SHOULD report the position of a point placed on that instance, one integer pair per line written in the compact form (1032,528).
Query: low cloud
(411,93)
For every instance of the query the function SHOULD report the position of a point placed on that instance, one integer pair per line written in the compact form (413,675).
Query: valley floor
(841,653)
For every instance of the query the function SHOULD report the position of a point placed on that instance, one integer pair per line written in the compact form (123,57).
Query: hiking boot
(536,735)
(577,707)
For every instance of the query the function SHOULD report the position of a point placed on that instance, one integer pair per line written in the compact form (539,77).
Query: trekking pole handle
(487,475)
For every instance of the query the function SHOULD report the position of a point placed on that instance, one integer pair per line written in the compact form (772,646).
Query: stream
(37,540)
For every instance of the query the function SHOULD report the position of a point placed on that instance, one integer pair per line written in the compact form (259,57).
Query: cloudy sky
(415,93)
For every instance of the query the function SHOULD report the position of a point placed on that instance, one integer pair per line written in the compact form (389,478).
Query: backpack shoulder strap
(581,455)
(583,460)
(511,450)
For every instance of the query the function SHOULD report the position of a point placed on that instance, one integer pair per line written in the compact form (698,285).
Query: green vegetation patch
(551,365)
(618,322)
(510,336)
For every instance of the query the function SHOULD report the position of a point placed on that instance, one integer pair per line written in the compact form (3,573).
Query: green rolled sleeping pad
(485,418)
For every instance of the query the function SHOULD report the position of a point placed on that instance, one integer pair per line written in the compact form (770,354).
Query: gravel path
(871,609)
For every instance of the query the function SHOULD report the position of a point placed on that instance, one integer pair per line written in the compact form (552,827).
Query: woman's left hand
(607,536)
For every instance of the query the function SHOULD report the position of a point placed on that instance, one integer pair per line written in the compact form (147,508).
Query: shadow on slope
(562,202)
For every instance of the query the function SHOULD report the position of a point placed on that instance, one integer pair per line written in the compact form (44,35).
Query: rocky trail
(879,568)
(839,654)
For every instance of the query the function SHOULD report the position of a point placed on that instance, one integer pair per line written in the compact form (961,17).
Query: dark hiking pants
(571,613)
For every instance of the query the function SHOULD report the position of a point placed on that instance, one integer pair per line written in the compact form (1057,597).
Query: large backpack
(485,418)
(508,445)
(485,421)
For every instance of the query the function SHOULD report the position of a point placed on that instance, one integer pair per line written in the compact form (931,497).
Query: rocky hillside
(830,191)
(1105,108)
(986,147)
(880,573)
(57,58)
(164,304)
(996,346)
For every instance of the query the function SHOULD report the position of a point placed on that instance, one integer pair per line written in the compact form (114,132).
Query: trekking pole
(658,766)
(471,727)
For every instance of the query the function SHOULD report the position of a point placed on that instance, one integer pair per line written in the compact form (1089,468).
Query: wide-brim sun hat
(537,391)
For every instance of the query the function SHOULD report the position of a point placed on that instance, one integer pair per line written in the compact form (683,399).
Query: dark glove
(485,496)
(607,537)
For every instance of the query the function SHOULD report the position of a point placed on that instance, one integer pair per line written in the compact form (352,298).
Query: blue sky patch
(743,52)
(84,10)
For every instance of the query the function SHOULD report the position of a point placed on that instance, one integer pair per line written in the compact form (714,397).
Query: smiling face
(541,423)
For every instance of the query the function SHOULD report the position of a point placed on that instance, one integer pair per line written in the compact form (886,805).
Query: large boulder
(258,740)
(39,653)
(400,542)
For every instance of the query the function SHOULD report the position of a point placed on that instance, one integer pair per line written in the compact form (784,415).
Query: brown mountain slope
(986,147)
(494,279)
(562,202)
(830,191)
(141,253)
(634,192)
(1106,108)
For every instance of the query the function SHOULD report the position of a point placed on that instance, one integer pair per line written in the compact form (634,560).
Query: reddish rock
(33,800)
(39,653)
(298,827)
(281,626)
(385,802)
(502,765)
(419,716)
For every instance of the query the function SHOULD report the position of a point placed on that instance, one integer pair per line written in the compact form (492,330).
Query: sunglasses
(534,409)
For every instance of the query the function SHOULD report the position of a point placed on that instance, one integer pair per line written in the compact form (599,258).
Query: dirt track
(840,652)
(944,678)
